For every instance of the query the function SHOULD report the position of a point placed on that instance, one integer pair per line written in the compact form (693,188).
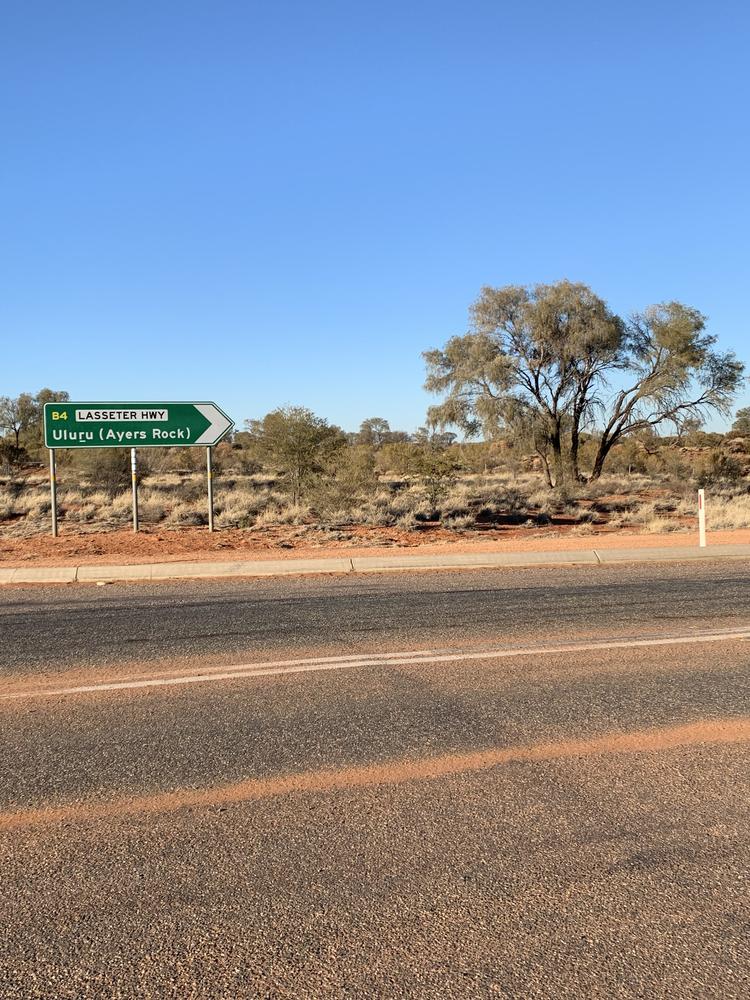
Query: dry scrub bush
(460,522)
(240,507)
(189,513)
(86,513)
(719,469)
(339,519)
(582,529)
(727,513)
(617,521)
(662,525)
(151,511)
(407,522)
(120,507)
(17,508)
(386,508)
(105,469)
(290,513)
(642,513)
(98,498)
(37,506)
(165,481)
(372,515)
(460,495)
(7,507)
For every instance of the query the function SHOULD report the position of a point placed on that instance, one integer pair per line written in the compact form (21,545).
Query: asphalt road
(46,628)
(478,819)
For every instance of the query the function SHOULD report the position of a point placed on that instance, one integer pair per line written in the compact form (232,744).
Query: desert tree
(297,442)
(541,362)
(675,374)
(741,423)
(374,432)
(533,362)
(22,415)
(17,414)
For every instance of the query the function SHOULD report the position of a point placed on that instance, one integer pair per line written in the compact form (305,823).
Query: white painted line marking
(405,658)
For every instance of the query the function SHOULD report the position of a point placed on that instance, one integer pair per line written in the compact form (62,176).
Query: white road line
(405,658)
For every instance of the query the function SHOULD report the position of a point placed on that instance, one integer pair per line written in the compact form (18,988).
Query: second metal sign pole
(210,480)
(53,491)
(134,478)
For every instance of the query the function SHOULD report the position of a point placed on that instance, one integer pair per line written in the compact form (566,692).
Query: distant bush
(106,469)
(720,469)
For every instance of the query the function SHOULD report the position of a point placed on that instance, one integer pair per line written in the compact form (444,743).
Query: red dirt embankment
(234,544)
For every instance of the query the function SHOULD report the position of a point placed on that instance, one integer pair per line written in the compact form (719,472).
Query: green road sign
(134,425)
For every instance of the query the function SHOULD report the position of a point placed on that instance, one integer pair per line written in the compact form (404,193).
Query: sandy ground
(230,545)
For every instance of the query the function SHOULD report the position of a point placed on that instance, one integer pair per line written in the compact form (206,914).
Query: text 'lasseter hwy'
(116,416)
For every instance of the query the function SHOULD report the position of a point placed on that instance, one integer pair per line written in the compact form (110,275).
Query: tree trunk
(557,458)
(545,466)
(605,446)
(575,442)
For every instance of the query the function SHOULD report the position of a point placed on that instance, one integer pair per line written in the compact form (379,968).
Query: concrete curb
(40,574)
(670,553)
(469,560)
(365,564)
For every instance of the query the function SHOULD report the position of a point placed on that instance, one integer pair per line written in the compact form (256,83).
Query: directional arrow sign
(134,425)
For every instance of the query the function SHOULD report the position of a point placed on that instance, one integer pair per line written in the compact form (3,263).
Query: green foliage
(373,432)
(297,443)
(538,364)
(437,469)
(21,417)
(400,458)
(720,470)
(10,455)
(348,479)
(741,423)
(106,469)
(531,366)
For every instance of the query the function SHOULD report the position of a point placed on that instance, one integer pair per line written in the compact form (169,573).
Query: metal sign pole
(134,477)
(702,518)
(53,490)
(210,480)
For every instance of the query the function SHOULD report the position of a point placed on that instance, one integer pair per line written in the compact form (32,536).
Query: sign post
(53,490)
(134,425)
(134,478)
(702,518)
(210,481)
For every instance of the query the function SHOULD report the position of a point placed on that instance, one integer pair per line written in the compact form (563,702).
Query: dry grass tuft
(727,513)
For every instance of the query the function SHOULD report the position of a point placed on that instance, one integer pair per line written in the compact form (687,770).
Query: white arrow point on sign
(219,423)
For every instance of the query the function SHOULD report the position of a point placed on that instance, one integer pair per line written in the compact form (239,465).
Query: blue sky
(287,202)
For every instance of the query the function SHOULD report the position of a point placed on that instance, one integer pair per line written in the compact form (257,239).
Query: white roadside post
(134,478)
(210,481)
(702,518)
(53,491)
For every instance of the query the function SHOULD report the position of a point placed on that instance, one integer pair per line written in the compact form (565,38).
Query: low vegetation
(411,485)
(588,421)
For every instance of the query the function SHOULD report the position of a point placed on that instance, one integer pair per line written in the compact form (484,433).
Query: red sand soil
(716,732)
(289,542)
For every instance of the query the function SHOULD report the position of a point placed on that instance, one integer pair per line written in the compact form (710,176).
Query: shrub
(106,469)
(582,529)
(661,525)
(726,513)
(437,472)
(459,523)
(720,469)
(188,515)
(348,479)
